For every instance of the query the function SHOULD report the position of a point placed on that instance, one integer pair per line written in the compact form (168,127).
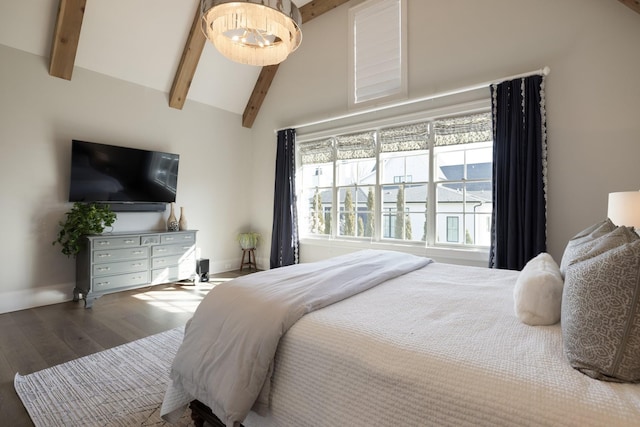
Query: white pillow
(538,292)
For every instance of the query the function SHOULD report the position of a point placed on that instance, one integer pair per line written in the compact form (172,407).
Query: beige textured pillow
(601,314)
(572,250)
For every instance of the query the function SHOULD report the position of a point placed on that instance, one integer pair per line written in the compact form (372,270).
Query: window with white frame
(377,61)
(427,183)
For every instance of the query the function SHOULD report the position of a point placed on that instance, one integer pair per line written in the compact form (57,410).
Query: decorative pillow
(601,314)
(586,235)
(618,237)
(606,224)
(538,292)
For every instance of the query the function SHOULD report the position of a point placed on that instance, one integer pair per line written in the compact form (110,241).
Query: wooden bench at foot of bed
(200,413)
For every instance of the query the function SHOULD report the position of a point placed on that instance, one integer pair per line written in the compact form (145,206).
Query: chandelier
(253,32)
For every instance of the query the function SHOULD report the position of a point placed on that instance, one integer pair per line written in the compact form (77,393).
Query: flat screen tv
(126,178)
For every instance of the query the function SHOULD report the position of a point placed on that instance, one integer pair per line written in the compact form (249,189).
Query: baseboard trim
(29,298)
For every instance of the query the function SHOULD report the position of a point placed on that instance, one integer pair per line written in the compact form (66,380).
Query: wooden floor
(38,338)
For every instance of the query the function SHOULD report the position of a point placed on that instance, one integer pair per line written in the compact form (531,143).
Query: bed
(437,345)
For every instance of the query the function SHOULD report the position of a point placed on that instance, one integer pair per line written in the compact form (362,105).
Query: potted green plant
(81,220)
(249,240)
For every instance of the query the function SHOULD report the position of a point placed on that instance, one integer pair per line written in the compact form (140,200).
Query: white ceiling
(137,41)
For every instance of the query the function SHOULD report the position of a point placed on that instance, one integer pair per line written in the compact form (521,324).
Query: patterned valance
(463,130)
(318,151)
(355,146)
(404,138)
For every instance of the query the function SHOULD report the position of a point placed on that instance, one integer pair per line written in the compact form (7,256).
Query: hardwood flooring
(38,338)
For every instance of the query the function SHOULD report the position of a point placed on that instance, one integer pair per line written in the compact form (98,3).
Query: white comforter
(440,346)
(226,358)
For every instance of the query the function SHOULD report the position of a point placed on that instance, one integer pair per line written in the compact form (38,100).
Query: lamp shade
(253,32)
(624,208)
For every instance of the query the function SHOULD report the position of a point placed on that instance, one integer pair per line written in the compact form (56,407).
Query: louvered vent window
(377,64)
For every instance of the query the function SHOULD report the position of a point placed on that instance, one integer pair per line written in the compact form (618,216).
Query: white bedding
(226,358)
(440,346)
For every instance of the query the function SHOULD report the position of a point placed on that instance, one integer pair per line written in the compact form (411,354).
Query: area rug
(122,386)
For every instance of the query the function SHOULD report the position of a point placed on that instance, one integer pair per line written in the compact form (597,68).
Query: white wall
(40,115)
(593,93)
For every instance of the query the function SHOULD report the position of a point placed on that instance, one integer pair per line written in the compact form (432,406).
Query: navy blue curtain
(519,221)
(284,235)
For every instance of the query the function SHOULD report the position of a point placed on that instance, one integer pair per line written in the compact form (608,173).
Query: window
(356,178)
(425,183)
(463,158)
(452,229)
(377,64)
(317,174)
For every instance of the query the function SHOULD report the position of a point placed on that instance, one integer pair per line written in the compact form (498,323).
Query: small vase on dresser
(182,224)
(172,222)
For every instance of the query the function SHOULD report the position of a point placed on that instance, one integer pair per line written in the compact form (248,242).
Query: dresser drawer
(164,275)
(120,267)
(150,240)
(115,242)
(165,250)
(110,255)
(104,283)
(165,261)
(185,270)
(178,238)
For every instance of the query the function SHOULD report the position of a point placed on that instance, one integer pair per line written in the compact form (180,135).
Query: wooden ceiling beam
(633,4)
(66,37)
(259,93)
(188,64)
(316,8)
(308,12)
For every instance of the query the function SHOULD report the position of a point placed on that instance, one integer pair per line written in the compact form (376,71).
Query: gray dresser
(119,261)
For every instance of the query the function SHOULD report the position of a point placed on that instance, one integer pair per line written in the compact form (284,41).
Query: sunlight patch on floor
(176,306)
(180,298)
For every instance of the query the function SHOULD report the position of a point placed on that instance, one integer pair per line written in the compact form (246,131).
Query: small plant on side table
(83,219)
(249,240)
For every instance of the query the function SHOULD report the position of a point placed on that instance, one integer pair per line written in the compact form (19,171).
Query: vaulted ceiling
(68,31)
(153,43)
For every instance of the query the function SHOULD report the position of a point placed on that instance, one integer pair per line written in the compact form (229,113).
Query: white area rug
(122,386)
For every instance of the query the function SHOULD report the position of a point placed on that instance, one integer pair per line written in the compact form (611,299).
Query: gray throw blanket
(226,358)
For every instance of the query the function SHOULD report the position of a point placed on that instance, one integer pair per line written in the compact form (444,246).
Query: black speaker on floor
(202,268)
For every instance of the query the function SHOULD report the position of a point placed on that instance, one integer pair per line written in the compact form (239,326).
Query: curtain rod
(543,71)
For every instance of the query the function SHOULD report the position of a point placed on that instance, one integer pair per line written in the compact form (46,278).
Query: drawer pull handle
(137,252)
(103,283)
(104,255)
(129,241)
(104,268)
(161,250)
(103,242)
(137,264)
(169,238)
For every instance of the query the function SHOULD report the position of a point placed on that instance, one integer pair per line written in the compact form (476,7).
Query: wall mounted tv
(129,179)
